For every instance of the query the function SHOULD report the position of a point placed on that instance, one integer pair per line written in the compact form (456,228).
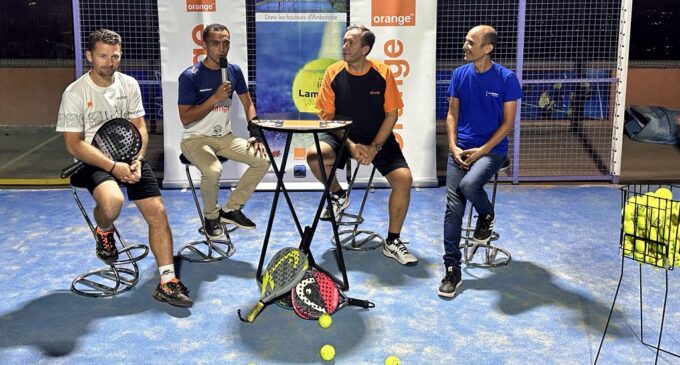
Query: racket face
(119,139)
(285,302)
(306,297)
(315,294)
(282,273)
(328,290)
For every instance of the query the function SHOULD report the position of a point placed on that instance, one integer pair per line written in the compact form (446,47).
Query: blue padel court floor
(548,306)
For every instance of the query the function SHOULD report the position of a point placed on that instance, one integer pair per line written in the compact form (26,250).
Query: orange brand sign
(400,67)
(197,37)
(299,153)
(393,13)
(201,5)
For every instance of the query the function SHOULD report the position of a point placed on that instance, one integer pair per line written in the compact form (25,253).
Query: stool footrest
(132,253)
(491,256)
(359,240)
(106,282)
(356,219)
(207,250)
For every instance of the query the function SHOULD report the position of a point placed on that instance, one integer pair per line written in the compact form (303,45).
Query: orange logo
(89,103)
(393,13)
(197,37)
(201,5)
(299,153)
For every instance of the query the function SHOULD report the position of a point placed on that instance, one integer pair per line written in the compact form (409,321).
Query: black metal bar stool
(491,256)
(208,249)
(354,238)
(119,277)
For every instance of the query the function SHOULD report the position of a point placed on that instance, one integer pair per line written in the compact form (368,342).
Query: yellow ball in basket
(325,320)
(629,227)
(664,193)
(327,352)
(392,360)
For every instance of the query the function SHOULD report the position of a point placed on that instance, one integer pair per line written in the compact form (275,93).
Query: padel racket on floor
(316,293)
(284,270)
(118,139)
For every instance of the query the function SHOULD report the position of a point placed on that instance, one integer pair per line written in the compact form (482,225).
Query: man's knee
(109,199)
(401,179)
(212,172)
(469,187)
(154,211)
(313,154)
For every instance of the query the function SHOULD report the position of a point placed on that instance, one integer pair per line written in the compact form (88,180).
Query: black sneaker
(173,293)
(484,228)
(106,247)
(450,282)
(213,227)
(237,218)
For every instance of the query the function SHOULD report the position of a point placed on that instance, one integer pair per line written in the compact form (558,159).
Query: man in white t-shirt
(89,102)
(204,102)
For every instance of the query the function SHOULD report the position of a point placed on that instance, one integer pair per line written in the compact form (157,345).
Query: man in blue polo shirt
(204,103)
(482,104)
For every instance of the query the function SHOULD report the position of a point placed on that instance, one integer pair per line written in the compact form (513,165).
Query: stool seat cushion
(186,161)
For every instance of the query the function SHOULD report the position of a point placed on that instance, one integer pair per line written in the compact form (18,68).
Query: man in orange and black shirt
(365,92)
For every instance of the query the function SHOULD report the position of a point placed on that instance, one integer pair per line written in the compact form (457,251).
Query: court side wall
(653,86)
(31,96)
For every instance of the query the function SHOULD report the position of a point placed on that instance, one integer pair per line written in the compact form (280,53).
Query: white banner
(406,40)
(181,24)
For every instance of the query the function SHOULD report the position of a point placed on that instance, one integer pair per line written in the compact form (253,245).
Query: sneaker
(173,293)
(213,227)
(484,228)
(450,282)
(237,218)
(106,246)
(398,251)
(339,205)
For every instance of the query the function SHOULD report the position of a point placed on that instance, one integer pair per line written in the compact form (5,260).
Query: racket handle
(360,303)
(255,312)
(70,170)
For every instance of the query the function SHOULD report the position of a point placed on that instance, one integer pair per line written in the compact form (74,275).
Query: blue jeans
(461,186)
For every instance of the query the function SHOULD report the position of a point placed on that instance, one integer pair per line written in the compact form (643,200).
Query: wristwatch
(378,146)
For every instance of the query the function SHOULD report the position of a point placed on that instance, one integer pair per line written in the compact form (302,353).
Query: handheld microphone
(223,67)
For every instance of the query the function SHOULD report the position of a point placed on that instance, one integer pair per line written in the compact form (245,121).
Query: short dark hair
(490,37)
(104,36)
(215,27)
(367,37)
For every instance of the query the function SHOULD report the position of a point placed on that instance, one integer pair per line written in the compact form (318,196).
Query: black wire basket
(649,224)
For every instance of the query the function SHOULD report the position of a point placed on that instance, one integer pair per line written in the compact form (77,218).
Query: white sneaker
(398,251)
(339,205)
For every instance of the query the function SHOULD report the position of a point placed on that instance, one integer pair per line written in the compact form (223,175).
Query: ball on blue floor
(392,360)
(327,352)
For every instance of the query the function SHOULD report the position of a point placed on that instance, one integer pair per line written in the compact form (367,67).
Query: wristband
(112,167)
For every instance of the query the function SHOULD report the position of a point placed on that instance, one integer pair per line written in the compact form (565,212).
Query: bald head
(487,33)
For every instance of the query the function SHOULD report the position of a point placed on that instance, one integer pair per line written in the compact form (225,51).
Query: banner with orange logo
(406,40)
(181,24)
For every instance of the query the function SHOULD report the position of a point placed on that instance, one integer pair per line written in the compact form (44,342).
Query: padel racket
(118,139)
(317,293)
(284,270)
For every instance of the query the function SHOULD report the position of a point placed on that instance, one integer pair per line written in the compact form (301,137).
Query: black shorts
(90,177)
(388,159)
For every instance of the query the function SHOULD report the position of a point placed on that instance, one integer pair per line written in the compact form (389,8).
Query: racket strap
(360,303)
